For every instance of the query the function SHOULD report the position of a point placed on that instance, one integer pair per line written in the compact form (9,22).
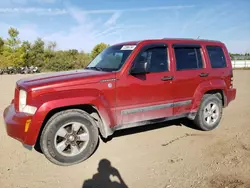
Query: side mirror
(139,68)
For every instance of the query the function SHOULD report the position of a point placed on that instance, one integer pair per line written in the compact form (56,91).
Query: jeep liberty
(127,85)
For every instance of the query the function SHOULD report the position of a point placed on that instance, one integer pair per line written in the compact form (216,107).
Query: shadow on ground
(179,122)
(102,178)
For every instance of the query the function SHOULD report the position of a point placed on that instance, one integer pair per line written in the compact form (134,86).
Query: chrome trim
(108,80)
(155,107)
(182,103)
(144,109)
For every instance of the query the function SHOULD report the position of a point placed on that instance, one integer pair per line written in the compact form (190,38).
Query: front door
(146,96)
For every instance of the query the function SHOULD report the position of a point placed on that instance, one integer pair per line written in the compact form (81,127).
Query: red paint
(47,92)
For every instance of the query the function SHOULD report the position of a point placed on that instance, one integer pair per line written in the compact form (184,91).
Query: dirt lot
(170,155)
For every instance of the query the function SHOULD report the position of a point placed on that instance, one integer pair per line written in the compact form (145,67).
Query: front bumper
(15,123)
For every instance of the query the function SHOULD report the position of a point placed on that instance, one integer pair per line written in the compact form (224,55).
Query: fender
(217,84)
(50,101)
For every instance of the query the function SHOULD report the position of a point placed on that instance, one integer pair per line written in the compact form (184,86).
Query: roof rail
(198,39)
(178,38)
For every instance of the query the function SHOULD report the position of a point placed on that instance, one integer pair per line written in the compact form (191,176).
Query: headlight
(23,107)
(22,99)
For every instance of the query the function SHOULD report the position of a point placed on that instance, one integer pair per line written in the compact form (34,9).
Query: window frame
(152,46)
(179,45)
(224,56)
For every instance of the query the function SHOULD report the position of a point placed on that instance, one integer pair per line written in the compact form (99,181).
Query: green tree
(26,45)
(13,41)
(26,48)
(52,46)
(98,49)
(1,44)
(60,61)
(12,54)
(36,53)
(1,52)
(82,60)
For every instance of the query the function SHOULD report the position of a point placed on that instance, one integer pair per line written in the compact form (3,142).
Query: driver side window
(156,58)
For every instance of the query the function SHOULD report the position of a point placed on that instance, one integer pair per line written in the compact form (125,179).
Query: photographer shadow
(102,179)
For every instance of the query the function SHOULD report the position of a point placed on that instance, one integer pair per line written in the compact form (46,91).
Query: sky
(81,24)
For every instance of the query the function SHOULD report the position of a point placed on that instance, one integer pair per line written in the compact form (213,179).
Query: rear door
(189,73)
(150,95)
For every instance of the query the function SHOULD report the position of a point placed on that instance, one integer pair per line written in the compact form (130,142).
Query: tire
(63,123)
(201,121)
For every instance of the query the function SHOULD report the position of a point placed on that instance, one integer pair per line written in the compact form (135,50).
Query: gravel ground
(169,155)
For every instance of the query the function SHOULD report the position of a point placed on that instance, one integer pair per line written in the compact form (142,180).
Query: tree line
(17,53)
(237,56)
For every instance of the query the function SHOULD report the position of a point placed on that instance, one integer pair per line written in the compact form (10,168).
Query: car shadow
(103,177)
(179,122)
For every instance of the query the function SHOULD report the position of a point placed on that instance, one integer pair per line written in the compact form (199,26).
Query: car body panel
(152,92)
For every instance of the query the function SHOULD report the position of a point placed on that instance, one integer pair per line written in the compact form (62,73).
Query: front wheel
(209,113)
(69,137)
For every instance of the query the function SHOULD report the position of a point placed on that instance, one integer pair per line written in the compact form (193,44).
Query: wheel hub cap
(211,113)
(71,139)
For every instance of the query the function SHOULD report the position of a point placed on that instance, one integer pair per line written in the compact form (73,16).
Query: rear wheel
(209,113)
(69,137)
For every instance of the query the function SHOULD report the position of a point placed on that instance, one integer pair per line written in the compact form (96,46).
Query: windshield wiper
(95,68)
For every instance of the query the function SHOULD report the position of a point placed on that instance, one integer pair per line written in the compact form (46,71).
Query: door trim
(148,122)
(155,107)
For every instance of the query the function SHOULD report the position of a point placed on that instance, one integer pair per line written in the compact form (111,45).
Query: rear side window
(188,58)
(217,57)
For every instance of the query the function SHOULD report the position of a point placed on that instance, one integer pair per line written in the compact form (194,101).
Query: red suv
(127,85)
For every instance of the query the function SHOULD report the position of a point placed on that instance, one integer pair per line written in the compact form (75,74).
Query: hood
(61,79)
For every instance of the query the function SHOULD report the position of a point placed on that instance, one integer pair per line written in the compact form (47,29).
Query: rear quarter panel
(215,84)
(218,79)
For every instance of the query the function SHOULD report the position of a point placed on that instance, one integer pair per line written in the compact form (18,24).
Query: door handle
(203,74)
(166,78)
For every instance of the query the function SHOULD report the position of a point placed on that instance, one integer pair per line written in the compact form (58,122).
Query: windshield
(111,58)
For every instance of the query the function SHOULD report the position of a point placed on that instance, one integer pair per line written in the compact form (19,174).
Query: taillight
(231,81)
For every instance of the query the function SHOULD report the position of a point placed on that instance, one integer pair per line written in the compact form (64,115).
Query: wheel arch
(91,109)
(220,93)
(217,86)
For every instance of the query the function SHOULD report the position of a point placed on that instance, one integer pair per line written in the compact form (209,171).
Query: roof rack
(178,38)
(198,39)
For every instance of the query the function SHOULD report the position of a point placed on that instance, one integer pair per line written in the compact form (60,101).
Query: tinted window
(217,58)
(188,58)
(156,58)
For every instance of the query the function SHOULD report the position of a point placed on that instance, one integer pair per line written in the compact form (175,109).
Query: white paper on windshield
(128,47)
